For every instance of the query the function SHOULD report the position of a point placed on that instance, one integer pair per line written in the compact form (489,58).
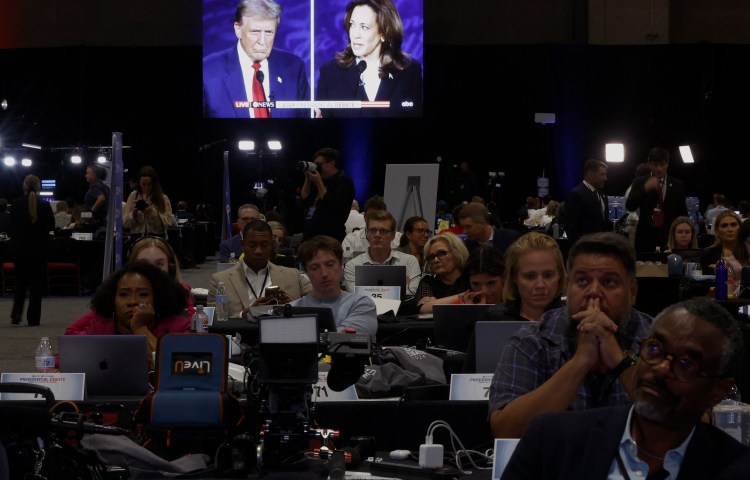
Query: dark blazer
(648,238)
(231,244)
(583,444)
(223,84)
(501,239)
(582,213)
(403,89)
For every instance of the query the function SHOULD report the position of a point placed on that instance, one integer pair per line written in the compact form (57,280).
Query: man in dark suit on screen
(661,199)
(688,364)
(586,210)
(229,75)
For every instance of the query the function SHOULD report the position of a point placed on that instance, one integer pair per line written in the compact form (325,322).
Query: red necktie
(258,93)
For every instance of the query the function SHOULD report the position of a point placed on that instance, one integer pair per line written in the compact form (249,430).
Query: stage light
(614,152)
(76,159)
(687,154)
(26,162)
(246,145)
(31,145)
(274,145)
(101,157)
(9,161)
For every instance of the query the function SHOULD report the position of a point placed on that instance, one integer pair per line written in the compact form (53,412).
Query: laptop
(491,338)
(381,276)
(113,364)
(453,324)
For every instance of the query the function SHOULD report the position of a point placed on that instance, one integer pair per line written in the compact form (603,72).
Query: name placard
(470,386)
(386,292)
(65,386)
(323,393)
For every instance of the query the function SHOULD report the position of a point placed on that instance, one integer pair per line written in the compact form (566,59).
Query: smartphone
(272,291)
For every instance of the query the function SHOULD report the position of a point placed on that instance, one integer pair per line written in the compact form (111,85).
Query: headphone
(171,266)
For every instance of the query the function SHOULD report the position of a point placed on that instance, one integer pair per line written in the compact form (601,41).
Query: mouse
(399,454)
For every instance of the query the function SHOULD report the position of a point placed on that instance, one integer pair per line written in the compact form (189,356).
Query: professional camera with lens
(307,167)
(141,205)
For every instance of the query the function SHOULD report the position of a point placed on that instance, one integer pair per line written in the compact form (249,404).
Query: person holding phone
(372,67)
(256,280)
(148,210)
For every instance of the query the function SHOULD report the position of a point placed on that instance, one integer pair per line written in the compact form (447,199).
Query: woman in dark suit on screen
(372,66)
(31,221)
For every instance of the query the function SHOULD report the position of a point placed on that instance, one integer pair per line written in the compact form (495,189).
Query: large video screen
(309,65)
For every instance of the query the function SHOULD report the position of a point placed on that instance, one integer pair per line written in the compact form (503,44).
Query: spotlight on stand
(246,145)
(687,154)
(614,152)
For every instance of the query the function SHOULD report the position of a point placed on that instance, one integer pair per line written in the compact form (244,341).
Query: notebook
(113,364)
(381,275)
(453,324)
(491,338)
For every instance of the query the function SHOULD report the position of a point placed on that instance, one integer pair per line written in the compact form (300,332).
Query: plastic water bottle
(732,416)
(200,320)
(221,312)
(232,257)
(45,357)
(721,279)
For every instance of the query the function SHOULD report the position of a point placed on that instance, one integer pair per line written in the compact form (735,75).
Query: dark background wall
(74,72)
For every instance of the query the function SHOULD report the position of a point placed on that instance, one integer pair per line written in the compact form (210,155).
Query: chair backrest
(189,361)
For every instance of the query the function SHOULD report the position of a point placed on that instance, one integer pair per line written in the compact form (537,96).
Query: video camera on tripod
(290,347)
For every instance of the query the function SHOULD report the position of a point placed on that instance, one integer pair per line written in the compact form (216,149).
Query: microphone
(260,76)
(361,67)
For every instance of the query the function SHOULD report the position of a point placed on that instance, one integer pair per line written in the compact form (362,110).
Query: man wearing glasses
(688,363)
(245,213)
(574,357)
(381,230)
(328,193)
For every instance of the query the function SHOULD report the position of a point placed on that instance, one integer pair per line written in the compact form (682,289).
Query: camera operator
(328,193)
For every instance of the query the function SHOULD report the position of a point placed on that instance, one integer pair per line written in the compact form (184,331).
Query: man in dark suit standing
(661,200)
(474,219)
(586,209)
(688,364)
(229,75)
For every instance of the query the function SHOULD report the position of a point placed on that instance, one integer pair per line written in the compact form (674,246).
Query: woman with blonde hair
(682,234)
(445,255)
(31,220)
(159,253)
(727,245)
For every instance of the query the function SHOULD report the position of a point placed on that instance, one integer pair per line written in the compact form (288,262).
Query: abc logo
(407,103)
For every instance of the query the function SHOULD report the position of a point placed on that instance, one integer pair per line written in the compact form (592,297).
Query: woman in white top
(148,210)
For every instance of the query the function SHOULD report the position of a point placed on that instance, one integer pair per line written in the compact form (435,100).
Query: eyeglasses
(440,255)
(683,368)
(379,231)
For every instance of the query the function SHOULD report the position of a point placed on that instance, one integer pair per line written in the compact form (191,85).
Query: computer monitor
(381,275)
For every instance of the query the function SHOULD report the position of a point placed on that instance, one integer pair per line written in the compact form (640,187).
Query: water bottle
(732,416)
(233,258)
(721,280)
(675,265)
(200,320)
(45,357)
(221,312)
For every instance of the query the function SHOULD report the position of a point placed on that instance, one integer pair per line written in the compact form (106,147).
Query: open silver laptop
(113,364)
(491,339)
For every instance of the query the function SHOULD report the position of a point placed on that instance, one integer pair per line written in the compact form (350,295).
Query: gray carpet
(18,342)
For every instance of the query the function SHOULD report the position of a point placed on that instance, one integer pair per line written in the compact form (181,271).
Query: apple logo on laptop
(103,365)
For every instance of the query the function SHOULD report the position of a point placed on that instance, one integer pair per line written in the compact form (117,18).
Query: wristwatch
(627,362)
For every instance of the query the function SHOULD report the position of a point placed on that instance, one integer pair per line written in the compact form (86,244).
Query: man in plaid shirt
(578,356)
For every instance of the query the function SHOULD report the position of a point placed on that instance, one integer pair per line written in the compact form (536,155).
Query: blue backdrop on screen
(294,29)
